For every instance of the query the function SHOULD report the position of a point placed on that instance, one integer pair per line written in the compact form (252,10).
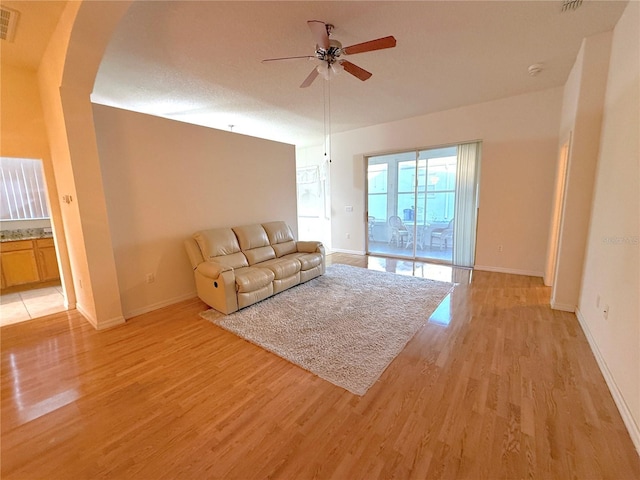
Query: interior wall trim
(564,307)
(165,303)
(618,398)
(112,322)
(352,252)
(513,271)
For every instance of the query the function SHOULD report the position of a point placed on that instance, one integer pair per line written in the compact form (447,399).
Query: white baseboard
(112,322)
(565,307)
(513,271)
(625,413)
(87,317)
(157,305)
(352,252)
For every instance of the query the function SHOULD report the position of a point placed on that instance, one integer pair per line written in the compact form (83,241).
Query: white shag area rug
(345,326)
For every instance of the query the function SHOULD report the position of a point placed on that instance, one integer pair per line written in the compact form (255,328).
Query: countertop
(28,234)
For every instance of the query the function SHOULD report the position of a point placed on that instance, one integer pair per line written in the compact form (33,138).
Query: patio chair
(399,232)
(371,224)
(443,235)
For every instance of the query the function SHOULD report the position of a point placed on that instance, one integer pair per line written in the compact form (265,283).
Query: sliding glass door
(411,204)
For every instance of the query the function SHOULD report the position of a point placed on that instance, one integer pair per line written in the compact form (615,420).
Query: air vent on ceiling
(8,22)
(570,5)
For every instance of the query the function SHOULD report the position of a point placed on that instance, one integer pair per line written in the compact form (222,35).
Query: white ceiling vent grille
(8,22)
(568,5)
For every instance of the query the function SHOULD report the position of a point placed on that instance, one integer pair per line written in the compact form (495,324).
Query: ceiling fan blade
(378,44)
(286,58)
(356,71)
(309,80)
(320,34)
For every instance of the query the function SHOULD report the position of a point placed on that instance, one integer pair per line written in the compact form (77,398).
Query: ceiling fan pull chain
(329,97)
(324,119)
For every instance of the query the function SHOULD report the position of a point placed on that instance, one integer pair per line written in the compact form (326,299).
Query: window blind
(22,189)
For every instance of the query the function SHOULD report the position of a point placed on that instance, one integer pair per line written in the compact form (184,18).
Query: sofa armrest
(212,269)
(310,247)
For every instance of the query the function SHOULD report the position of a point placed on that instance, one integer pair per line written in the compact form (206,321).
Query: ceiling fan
(328,51)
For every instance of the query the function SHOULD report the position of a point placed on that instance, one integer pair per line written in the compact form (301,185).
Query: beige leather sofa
(237,267)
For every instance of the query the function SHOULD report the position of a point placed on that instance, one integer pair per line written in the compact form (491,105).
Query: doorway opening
(30,276)
(556,214)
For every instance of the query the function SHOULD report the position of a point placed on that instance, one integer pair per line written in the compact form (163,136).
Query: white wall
(581,118)
(164,180)
(65,78)
(612,265)
(520,141)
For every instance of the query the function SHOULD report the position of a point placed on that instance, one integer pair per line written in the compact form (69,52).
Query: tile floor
(21,306)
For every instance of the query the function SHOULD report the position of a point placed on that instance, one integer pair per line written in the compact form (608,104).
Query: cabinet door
(48,263)
(19,267)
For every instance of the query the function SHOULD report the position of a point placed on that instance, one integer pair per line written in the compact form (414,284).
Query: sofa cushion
(286,248)
(235,260)
(307,260)
(249,279)
(281,238)
(216,242)
(254,243)
(259,255)
(251,236)
(282,267)
(278,232)
(308,246)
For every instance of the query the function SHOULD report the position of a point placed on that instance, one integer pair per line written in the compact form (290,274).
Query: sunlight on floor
(434,271)
(22,306)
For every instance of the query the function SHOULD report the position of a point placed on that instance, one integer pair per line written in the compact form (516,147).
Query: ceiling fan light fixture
(328,52)
(337,68)
(324,70)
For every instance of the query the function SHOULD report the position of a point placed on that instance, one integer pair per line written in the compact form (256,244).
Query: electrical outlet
(151,277)
(348,236)
(499,248)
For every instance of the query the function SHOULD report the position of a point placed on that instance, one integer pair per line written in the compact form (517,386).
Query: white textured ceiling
(200,61)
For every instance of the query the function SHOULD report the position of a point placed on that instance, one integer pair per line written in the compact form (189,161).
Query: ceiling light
(535,69)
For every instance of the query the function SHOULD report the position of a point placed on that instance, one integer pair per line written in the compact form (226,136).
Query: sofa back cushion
(281,238)
(254,243)
(221,245)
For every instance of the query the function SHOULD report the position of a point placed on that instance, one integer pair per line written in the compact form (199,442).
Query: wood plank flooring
(497,386)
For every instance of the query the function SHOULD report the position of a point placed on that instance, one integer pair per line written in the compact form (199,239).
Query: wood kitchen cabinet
(27,262)
(46,258)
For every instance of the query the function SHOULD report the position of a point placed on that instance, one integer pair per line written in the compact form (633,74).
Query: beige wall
(164,180)
(23,131)
(581,120)
(65,79)
(24,135)
(612,264)
(520,141)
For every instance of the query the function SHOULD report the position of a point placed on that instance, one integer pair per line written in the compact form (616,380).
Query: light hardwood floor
(507,389)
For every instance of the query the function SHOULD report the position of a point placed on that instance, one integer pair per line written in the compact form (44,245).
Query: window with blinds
(22,189)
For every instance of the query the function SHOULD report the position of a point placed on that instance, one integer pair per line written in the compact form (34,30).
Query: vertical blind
(22,189)
(466,217)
